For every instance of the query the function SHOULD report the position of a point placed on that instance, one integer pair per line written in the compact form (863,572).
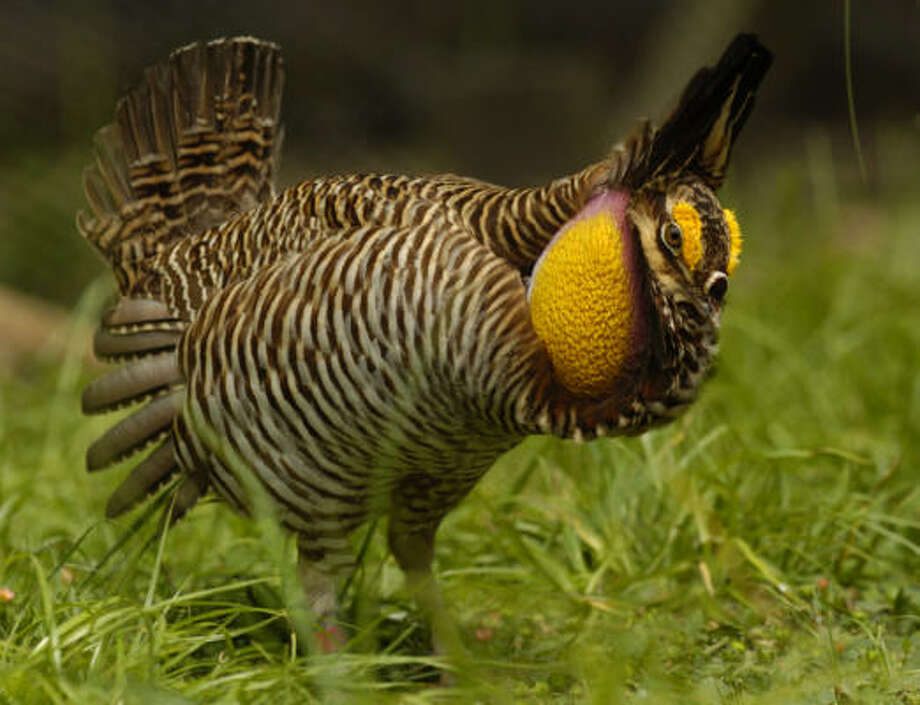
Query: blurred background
(512,91)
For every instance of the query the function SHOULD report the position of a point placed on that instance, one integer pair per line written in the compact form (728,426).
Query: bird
(367,345)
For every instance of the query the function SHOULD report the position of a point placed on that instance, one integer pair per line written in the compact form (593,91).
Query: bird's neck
(665,377)
(622,357)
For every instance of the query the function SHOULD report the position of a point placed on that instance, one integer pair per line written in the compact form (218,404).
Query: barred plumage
(365,344)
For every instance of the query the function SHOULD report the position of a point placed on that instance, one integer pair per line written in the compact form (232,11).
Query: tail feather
(134,313)
(136,328)
(197,141)
(135,432)
(125,346)
(132,383)
(143,480)
(187,495)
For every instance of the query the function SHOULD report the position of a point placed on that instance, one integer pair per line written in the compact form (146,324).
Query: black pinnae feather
(695,137)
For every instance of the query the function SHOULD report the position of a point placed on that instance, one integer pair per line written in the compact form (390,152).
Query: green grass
(763,549)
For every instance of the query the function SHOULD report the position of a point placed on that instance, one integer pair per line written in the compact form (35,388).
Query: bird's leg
(320,588)
(413,549)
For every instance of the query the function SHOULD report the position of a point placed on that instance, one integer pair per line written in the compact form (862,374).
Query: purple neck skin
(614,202)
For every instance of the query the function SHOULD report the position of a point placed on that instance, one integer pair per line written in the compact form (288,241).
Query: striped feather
(515,224)
(305,372)
(197,140)
(361,342)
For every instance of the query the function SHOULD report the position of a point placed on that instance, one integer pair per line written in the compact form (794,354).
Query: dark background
(513,91)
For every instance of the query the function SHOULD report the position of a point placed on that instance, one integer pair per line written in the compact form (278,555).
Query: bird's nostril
(717,286)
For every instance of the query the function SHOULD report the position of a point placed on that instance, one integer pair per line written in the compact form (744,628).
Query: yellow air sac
(582,300)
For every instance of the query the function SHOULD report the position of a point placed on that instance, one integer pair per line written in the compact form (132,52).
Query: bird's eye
(716,286)
(672,236)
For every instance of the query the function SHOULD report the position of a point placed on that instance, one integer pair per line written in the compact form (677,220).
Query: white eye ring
(672,236)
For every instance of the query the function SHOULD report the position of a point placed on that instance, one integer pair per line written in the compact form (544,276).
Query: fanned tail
(198,140)
(195,143)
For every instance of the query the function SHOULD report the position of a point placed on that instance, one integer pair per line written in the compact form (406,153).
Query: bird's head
(628,294)
(690,244)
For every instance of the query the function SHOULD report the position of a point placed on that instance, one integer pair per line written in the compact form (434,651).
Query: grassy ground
(764,549)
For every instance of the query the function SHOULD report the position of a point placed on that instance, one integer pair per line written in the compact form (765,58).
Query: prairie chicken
(368,345)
